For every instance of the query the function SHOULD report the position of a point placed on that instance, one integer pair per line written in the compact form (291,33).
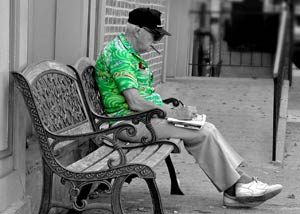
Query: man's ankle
(230,191)
(245,179)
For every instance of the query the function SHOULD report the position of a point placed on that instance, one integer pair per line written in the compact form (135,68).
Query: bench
(64,108)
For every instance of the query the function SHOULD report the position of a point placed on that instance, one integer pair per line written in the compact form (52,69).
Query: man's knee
(206,135)
(209,128)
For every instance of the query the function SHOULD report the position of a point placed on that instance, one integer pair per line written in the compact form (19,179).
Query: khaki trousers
(214,155)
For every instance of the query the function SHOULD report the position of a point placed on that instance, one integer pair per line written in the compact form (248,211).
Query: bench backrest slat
(57,97)
(91,87)
(58,102)
(86,71)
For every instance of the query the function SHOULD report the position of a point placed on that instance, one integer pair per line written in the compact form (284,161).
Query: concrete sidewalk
(242,110)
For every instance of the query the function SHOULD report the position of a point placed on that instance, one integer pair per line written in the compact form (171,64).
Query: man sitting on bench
(124,81)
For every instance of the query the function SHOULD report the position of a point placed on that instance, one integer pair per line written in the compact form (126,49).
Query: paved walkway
(294,99)
(242,110)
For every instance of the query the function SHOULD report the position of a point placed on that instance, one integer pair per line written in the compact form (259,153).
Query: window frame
(9,150)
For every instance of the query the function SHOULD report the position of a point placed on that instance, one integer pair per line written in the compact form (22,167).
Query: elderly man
(124,81)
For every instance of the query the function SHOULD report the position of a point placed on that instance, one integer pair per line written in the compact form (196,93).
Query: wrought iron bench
(62,113)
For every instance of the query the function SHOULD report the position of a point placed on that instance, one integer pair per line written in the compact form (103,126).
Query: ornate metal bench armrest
(100,134)
(144,117)
(175,102)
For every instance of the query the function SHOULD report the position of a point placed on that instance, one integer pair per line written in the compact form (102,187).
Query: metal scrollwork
(113,142)
(74,192)
(58,101)
(91,90)
(147,121)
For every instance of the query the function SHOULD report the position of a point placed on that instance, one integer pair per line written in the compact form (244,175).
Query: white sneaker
(256,191)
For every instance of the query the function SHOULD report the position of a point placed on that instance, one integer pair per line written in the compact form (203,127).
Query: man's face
(145,39)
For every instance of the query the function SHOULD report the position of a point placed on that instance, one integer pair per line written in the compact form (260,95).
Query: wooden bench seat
(97,160)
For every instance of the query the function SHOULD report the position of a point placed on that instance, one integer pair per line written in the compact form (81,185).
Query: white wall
(71,30)
(41,30)
(58,30)
(178,44)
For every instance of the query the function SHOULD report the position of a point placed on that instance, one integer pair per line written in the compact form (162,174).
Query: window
(5,47)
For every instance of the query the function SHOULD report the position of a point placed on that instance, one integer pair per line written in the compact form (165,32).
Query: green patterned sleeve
(123,69)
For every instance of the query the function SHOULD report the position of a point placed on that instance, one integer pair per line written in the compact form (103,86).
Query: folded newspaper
(195,123)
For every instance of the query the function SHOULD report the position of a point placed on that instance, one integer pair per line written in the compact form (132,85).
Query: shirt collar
(128,46)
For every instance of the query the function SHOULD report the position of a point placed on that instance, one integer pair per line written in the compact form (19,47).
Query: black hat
(149,18)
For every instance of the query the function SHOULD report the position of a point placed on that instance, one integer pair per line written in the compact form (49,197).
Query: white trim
(165,66)
(99,42)
(30,31)
(71,30)
(92,29)
(22,35)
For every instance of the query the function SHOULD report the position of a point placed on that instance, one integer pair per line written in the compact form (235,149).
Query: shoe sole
(230,202)
(243,205)
(262,198)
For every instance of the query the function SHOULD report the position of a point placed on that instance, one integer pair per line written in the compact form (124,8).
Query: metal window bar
(282,67)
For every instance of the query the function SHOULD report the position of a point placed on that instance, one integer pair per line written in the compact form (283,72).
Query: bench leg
(175,188)
(116,195)
(156,201)
(47,190)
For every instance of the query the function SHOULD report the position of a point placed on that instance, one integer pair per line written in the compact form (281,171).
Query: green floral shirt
(119,67)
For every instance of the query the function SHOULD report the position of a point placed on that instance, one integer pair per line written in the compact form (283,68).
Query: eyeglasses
(156,35)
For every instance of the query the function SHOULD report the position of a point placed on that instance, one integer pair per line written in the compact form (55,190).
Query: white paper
(198,121)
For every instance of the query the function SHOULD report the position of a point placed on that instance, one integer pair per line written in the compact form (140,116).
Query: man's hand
(183,112)
(139,104)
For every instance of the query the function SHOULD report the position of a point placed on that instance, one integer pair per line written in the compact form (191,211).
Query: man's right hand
(183,113)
